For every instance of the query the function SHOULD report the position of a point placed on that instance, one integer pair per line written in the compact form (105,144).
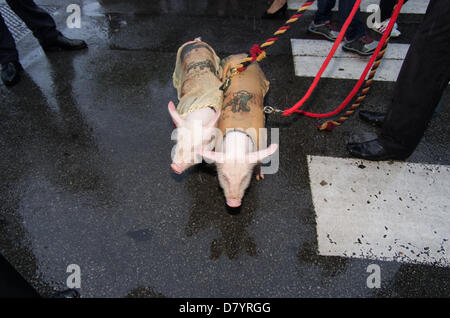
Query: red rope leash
(255,51)
(331,124)
(326,62)
(376,55)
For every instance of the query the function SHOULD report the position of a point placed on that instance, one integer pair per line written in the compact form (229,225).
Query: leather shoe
(11,73)
(375,150)
(374,118)
(68,293)
(62,43)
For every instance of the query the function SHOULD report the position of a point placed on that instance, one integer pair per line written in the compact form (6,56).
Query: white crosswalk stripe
(380,210)
(309,56)
(410,7)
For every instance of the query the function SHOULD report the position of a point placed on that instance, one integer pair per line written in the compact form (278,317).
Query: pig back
(243,104)
(197,78)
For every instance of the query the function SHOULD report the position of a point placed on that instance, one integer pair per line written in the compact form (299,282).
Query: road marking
(411,7)
(383,211)
(309,56)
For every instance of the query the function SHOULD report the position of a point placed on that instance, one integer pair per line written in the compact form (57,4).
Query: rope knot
(257,54)
(255,51)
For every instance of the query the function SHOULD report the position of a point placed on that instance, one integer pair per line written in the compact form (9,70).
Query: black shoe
(68,293)
(374,118)
(375,150)
(11,73)
(363,46)
(279,14)
(62,43)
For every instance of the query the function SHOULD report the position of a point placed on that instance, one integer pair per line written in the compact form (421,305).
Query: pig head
(242,116)
(197,78)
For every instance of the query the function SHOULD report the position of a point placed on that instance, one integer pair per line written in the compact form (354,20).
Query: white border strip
(411,7)
(382,211)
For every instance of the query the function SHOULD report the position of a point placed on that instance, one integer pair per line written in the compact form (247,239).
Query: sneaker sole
(357,52)
(322,34)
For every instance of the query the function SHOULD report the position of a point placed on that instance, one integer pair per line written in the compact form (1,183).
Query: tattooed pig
(242,117)
(197,78)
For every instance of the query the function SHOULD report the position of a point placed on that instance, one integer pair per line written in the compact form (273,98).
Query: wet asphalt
(85,177)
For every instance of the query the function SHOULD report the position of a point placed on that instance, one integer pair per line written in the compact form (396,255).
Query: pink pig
(202,121)
(197,80)
(242,119)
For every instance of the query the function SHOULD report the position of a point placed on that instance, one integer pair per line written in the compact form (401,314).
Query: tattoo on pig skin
(202,65)
(239,102)
(192,46)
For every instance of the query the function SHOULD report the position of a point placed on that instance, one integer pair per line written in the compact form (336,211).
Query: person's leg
(8,51)
(356,28)
(43,27)
(36,19)
(321,24)
(386,8)
(324,13)
(9,58)
(424,76)
(356,39)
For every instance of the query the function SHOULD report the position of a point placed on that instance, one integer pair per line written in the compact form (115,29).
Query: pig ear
(260,155)
(213,121)
(213,156)
(177,120)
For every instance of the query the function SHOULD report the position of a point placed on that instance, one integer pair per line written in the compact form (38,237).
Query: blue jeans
(356,28)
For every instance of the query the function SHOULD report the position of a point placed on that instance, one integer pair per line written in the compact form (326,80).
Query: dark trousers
(36,19)
(387,7)
(424,76)
(356,28)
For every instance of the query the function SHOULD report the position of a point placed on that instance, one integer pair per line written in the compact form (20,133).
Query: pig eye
(245,180)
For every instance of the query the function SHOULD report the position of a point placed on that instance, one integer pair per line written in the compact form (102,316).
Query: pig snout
(179,168)
(232,203)
(233,195)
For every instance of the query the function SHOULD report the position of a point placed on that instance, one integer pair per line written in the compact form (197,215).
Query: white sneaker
(381,27)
